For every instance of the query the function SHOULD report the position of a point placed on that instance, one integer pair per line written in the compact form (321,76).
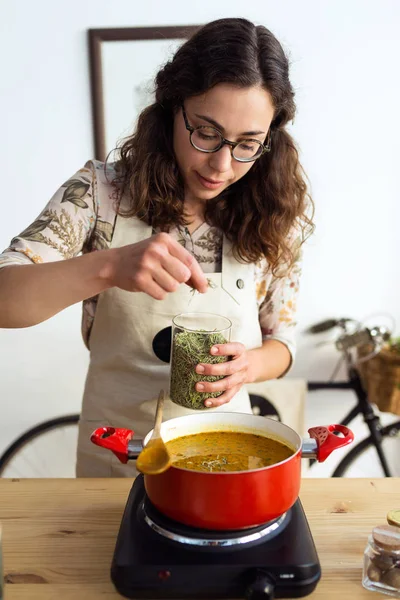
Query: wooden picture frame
(97,38)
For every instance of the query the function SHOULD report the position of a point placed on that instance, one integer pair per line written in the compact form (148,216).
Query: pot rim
(256,431)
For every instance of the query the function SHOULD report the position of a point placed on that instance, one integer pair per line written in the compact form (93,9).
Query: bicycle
(381,438)
(30,451)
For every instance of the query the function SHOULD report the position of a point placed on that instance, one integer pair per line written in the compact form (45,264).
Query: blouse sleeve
(63,228)
(277,298)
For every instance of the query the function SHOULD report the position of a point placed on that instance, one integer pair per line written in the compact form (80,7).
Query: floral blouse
(76,221)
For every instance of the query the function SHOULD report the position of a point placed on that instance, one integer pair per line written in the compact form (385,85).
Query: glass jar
(193,335)
(381,572)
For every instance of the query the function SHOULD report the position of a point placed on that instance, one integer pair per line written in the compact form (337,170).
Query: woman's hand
(156,266)
(235,373)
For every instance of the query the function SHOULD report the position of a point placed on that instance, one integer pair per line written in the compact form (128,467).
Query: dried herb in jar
(189,348)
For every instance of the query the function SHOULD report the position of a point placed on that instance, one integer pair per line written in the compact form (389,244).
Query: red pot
(232,500)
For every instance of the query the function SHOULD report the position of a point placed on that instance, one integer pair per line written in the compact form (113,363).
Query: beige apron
(125,375)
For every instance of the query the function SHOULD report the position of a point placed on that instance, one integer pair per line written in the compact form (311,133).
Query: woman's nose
(221,161)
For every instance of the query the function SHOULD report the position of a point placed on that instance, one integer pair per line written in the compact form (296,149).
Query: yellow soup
(218,451)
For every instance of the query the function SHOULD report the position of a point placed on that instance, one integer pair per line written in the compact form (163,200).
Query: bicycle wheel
(47,450)
(362,460)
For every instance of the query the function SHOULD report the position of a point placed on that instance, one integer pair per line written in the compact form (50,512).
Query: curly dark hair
(259,212)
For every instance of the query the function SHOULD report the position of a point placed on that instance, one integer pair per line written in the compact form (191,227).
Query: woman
(209,187)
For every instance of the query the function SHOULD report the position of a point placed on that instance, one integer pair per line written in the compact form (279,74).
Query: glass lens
(206,138)
(247,150)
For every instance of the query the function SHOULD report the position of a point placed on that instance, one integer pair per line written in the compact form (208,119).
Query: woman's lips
(209,184)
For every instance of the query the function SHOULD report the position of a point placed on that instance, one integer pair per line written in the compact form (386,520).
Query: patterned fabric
(75,221)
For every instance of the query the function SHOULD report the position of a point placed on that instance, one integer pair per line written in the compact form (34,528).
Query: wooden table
(59,534)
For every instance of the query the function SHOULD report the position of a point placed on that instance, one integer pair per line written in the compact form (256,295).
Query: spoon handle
(159,411)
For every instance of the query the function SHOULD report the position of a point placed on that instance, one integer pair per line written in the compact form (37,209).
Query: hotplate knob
(262,588)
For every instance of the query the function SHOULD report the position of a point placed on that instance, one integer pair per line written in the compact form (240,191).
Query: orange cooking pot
(230,500)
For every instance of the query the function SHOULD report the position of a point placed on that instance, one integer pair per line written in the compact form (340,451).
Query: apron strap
(236,276)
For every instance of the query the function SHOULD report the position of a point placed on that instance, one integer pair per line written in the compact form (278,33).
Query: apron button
(240,284)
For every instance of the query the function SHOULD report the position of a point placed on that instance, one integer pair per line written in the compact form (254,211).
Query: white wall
(345,56)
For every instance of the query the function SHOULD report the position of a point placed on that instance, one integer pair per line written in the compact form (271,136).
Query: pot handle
(328,440)
(114,439)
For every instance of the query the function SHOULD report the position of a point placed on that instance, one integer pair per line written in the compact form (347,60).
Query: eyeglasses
(208,139)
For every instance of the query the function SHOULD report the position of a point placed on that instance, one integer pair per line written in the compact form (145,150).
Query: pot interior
(224,421)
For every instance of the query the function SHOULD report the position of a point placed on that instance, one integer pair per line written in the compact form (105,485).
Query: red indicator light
(163,575)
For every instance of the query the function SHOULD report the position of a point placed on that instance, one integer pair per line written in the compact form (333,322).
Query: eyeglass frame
(225,142)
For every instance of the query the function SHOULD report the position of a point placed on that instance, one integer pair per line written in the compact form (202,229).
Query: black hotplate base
(147,565)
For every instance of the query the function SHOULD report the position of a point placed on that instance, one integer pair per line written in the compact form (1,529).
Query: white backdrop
(345,56)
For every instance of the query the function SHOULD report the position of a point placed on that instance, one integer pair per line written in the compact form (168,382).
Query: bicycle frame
(363,407)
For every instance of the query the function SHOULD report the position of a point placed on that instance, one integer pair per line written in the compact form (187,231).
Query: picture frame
(123,62)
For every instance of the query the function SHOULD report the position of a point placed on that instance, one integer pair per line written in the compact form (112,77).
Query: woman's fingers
(222,399)
(229,349)
(233,373)
(165,280)
(153,289)
(197,278)
(176,268)
(222,369)
(221,385)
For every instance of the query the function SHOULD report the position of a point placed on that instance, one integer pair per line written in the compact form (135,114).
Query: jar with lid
(381,572)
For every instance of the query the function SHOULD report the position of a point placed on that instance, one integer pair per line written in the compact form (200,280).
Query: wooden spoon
(154,458)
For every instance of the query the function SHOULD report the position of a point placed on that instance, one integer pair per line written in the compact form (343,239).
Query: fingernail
(208,403)
(200,387)
(200,369)
(214,350)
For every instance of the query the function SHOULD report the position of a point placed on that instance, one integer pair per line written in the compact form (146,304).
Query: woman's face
(234,112)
